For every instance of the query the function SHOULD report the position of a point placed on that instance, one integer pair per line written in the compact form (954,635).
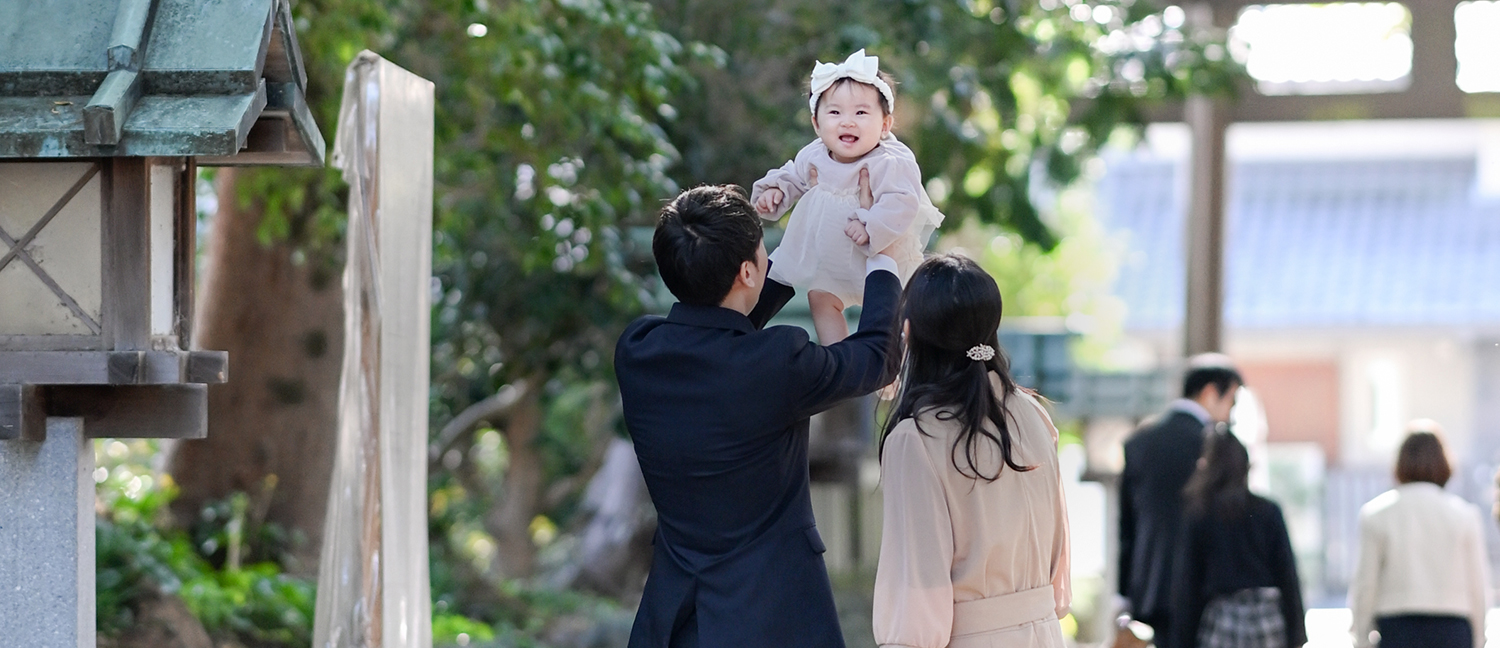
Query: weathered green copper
(158,127)
(200,46)
(129,30)
(107,78)
(104,116)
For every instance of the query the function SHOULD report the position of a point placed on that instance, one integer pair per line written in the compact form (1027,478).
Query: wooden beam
(126,367)
(1232,8)
(21,413)
(207,367)
(186,248)
(113,367)
(134,412)
(127,255)
(1432,93)
(1432,103)
(49,343)
(1434,62)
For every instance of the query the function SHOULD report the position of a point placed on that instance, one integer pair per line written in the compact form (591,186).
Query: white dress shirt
(1192,407)
(1421,551)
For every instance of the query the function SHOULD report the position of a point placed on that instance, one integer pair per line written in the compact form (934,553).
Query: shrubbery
(229,572)
(138,557)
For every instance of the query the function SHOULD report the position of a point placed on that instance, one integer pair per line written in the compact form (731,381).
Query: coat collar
(710,317)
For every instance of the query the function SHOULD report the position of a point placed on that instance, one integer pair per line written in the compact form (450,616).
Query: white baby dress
(814,253)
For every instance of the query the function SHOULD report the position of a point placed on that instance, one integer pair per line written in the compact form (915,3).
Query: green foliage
(456,630)
(136,558)
(1072,281)
(305,208)
(529,616)
(257,602)
(549,139)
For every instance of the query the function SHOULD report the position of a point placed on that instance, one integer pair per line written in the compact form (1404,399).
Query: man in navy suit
(1159,459)
(718,408)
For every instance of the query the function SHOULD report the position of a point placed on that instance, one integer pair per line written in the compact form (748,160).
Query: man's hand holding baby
(855,228)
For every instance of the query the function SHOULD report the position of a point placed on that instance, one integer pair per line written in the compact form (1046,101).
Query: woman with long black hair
(1235,583)
(974,550)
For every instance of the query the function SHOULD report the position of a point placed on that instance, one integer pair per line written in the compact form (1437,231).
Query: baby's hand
(769,200)
(856,232)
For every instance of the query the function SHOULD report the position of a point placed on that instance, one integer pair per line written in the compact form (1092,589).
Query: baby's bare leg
(827,316)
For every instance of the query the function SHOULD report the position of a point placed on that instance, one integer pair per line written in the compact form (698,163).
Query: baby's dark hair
(888,79)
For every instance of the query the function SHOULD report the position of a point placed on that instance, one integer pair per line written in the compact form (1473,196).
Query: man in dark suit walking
(718,408)
(1159,458)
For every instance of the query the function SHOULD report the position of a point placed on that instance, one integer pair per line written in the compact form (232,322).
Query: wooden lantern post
(107,108)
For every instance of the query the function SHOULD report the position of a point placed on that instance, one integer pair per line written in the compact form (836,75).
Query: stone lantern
(107,108)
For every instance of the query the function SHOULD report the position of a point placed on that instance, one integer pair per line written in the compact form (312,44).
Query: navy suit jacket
(718,410)
(1159,459)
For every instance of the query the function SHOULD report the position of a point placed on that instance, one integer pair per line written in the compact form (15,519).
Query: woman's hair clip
(981,353)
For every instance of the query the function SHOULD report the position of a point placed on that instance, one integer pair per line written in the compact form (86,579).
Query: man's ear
(747,273)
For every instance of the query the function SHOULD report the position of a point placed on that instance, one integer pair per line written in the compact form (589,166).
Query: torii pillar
(1208,119)
(1431,92)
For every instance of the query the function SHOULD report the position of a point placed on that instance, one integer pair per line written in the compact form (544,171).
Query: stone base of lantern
(47,538)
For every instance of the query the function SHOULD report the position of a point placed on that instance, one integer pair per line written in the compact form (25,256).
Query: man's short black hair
(701,239)
(1210,369)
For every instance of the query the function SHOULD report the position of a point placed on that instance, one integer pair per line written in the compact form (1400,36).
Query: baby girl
(829,234)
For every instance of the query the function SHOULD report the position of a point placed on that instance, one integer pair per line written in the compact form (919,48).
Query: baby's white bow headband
(861,68)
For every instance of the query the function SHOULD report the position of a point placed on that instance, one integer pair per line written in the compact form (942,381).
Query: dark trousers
(1161,628)
(1424,631)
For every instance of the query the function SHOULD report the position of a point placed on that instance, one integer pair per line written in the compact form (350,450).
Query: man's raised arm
(772,299)
(856,365)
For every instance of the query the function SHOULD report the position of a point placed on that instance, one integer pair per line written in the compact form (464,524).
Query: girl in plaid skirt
(1235,582)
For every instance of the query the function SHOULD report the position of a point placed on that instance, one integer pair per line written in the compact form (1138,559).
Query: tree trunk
(614,551)
(271,428)
(521,492)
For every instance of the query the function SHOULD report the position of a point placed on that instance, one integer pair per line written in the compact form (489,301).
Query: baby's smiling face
(850,120)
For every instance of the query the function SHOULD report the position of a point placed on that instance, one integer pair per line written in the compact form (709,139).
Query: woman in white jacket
(1421,576)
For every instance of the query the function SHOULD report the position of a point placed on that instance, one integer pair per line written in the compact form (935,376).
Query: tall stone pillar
(47,539)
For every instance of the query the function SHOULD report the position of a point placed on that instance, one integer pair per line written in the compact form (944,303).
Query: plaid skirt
(1249,618)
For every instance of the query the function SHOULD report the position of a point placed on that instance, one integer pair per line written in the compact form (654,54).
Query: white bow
(861,68)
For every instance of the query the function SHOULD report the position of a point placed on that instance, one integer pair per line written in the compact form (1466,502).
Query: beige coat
(965,562)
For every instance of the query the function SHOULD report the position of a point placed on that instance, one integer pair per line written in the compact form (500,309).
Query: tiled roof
(1316,243)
